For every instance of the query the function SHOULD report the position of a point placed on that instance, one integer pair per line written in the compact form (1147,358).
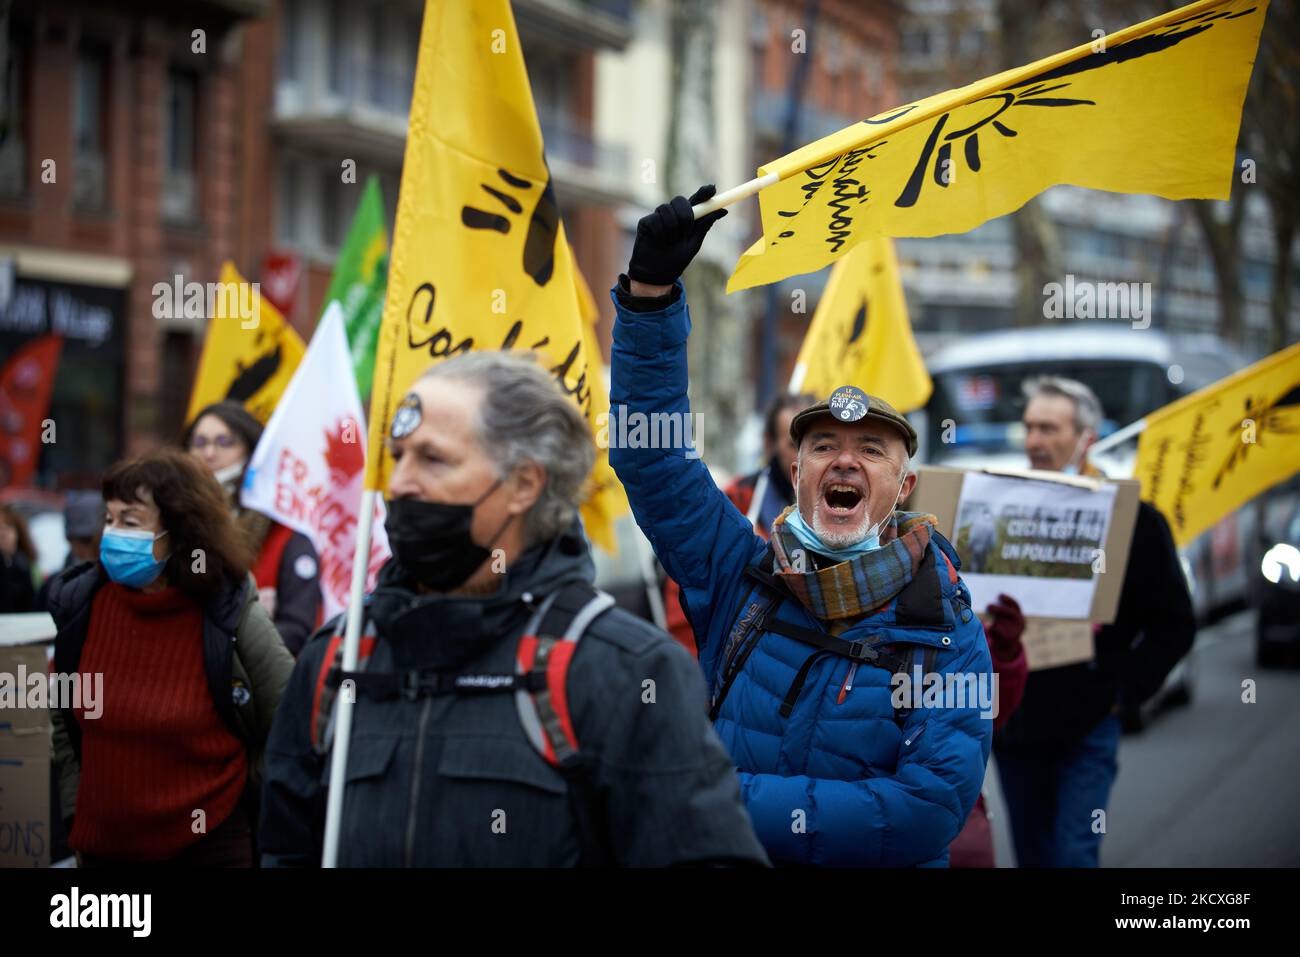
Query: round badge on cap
(848,403)
(407,417)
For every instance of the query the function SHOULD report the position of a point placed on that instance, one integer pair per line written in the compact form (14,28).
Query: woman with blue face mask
(181,671)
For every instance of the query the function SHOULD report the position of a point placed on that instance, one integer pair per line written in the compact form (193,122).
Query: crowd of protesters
(506,713)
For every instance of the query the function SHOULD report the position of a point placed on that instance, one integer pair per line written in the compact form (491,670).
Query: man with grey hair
(1057,756)
(506,714)
(1062,419)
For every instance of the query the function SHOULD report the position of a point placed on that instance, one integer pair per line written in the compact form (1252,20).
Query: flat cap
(848,403)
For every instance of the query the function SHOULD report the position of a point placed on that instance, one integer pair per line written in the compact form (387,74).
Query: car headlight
(1281,558)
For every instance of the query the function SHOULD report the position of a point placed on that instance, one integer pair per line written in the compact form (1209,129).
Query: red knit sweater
(159,751)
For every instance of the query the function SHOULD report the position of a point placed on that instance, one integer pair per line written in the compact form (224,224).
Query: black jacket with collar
(453,781)
(1153,628)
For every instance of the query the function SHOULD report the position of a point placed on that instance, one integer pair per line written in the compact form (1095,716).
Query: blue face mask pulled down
(127,556)
(809,540)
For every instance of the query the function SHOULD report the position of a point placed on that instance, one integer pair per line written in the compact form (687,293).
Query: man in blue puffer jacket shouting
(849,678)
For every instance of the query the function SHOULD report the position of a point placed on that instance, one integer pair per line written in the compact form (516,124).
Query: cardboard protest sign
(1035,536)
(24,742)
(1040,541)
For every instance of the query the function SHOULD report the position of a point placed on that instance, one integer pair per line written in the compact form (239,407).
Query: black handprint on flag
(543,226)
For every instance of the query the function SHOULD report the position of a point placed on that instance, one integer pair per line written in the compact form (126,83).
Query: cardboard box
(1049,642)
(24,746)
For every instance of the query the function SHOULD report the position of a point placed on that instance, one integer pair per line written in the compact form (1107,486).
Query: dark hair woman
(223,436)
(17,559)
(181,672)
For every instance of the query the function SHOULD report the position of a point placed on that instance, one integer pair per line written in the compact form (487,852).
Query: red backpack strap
(327,681)
(544,712)
(266,570)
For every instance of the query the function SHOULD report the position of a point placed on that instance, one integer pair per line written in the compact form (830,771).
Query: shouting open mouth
(842,503)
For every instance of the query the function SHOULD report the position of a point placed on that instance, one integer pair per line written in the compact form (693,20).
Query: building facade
(117,171)
(148,142)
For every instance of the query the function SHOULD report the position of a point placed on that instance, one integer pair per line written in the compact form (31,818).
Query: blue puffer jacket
(838,782)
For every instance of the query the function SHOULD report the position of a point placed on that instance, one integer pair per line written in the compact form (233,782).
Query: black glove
(668,239)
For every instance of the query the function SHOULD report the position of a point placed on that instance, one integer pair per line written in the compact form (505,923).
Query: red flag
(281,273)
(26,384)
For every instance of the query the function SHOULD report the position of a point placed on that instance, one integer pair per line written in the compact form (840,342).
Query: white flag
(307,470)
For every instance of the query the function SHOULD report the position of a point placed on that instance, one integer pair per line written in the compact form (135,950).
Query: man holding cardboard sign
(1057,754)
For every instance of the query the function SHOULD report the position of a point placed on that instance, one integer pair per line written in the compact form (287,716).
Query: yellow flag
(605,498)
(480,259)
(860,334)
(1153,108)
(249,353)
(1205,455)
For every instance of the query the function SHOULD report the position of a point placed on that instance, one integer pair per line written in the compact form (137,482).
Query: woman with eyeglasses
(222,437)
(159,751)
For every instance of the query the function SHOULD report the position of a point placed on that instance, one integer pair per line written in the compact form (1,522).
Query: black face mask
(432,541)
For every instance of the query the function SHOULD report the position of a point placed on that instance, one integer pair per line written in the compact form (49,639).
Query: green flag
(359,281)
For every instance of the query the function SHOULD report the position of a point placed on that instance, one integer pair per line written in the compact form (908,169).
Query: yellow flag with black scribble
(249,351)
(605,499)
(1153,108)
(860,334)
(479,256)
(1207,454)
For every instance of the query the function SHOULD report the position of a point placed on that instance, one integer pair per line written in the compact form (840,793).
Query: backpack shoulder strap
(546,649)
(545,652)
(747,623)
(926,654)
(328,677)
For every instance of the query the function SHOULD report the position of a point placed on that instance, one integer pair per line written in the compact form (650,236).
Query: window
(331,226)
(834,61)
(89,155)
(290,31)
(13,138)
(917,43)
(971,42)
(339,65)
(177,379)
(551,77)
(288,205)
(379,92)
(180,157)
(315,207)
(988,403)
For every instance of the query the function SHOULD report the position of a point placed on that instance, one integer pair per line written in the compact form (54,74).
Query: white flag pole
(1117,438)
(345,700)
(733,195)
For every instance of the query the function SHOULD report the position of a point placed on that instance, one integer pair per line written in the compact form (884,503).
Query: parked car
(1277,583)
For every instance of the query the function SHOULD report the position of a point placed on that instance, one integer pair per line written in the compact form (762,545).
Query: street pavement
(1215,783)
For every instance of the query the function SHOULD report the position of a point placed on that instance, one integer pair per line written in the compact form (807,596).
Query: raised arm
(702,540)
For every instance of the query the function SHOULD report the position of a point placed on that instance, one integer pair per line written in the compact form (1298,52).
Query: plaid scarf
(859,586)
